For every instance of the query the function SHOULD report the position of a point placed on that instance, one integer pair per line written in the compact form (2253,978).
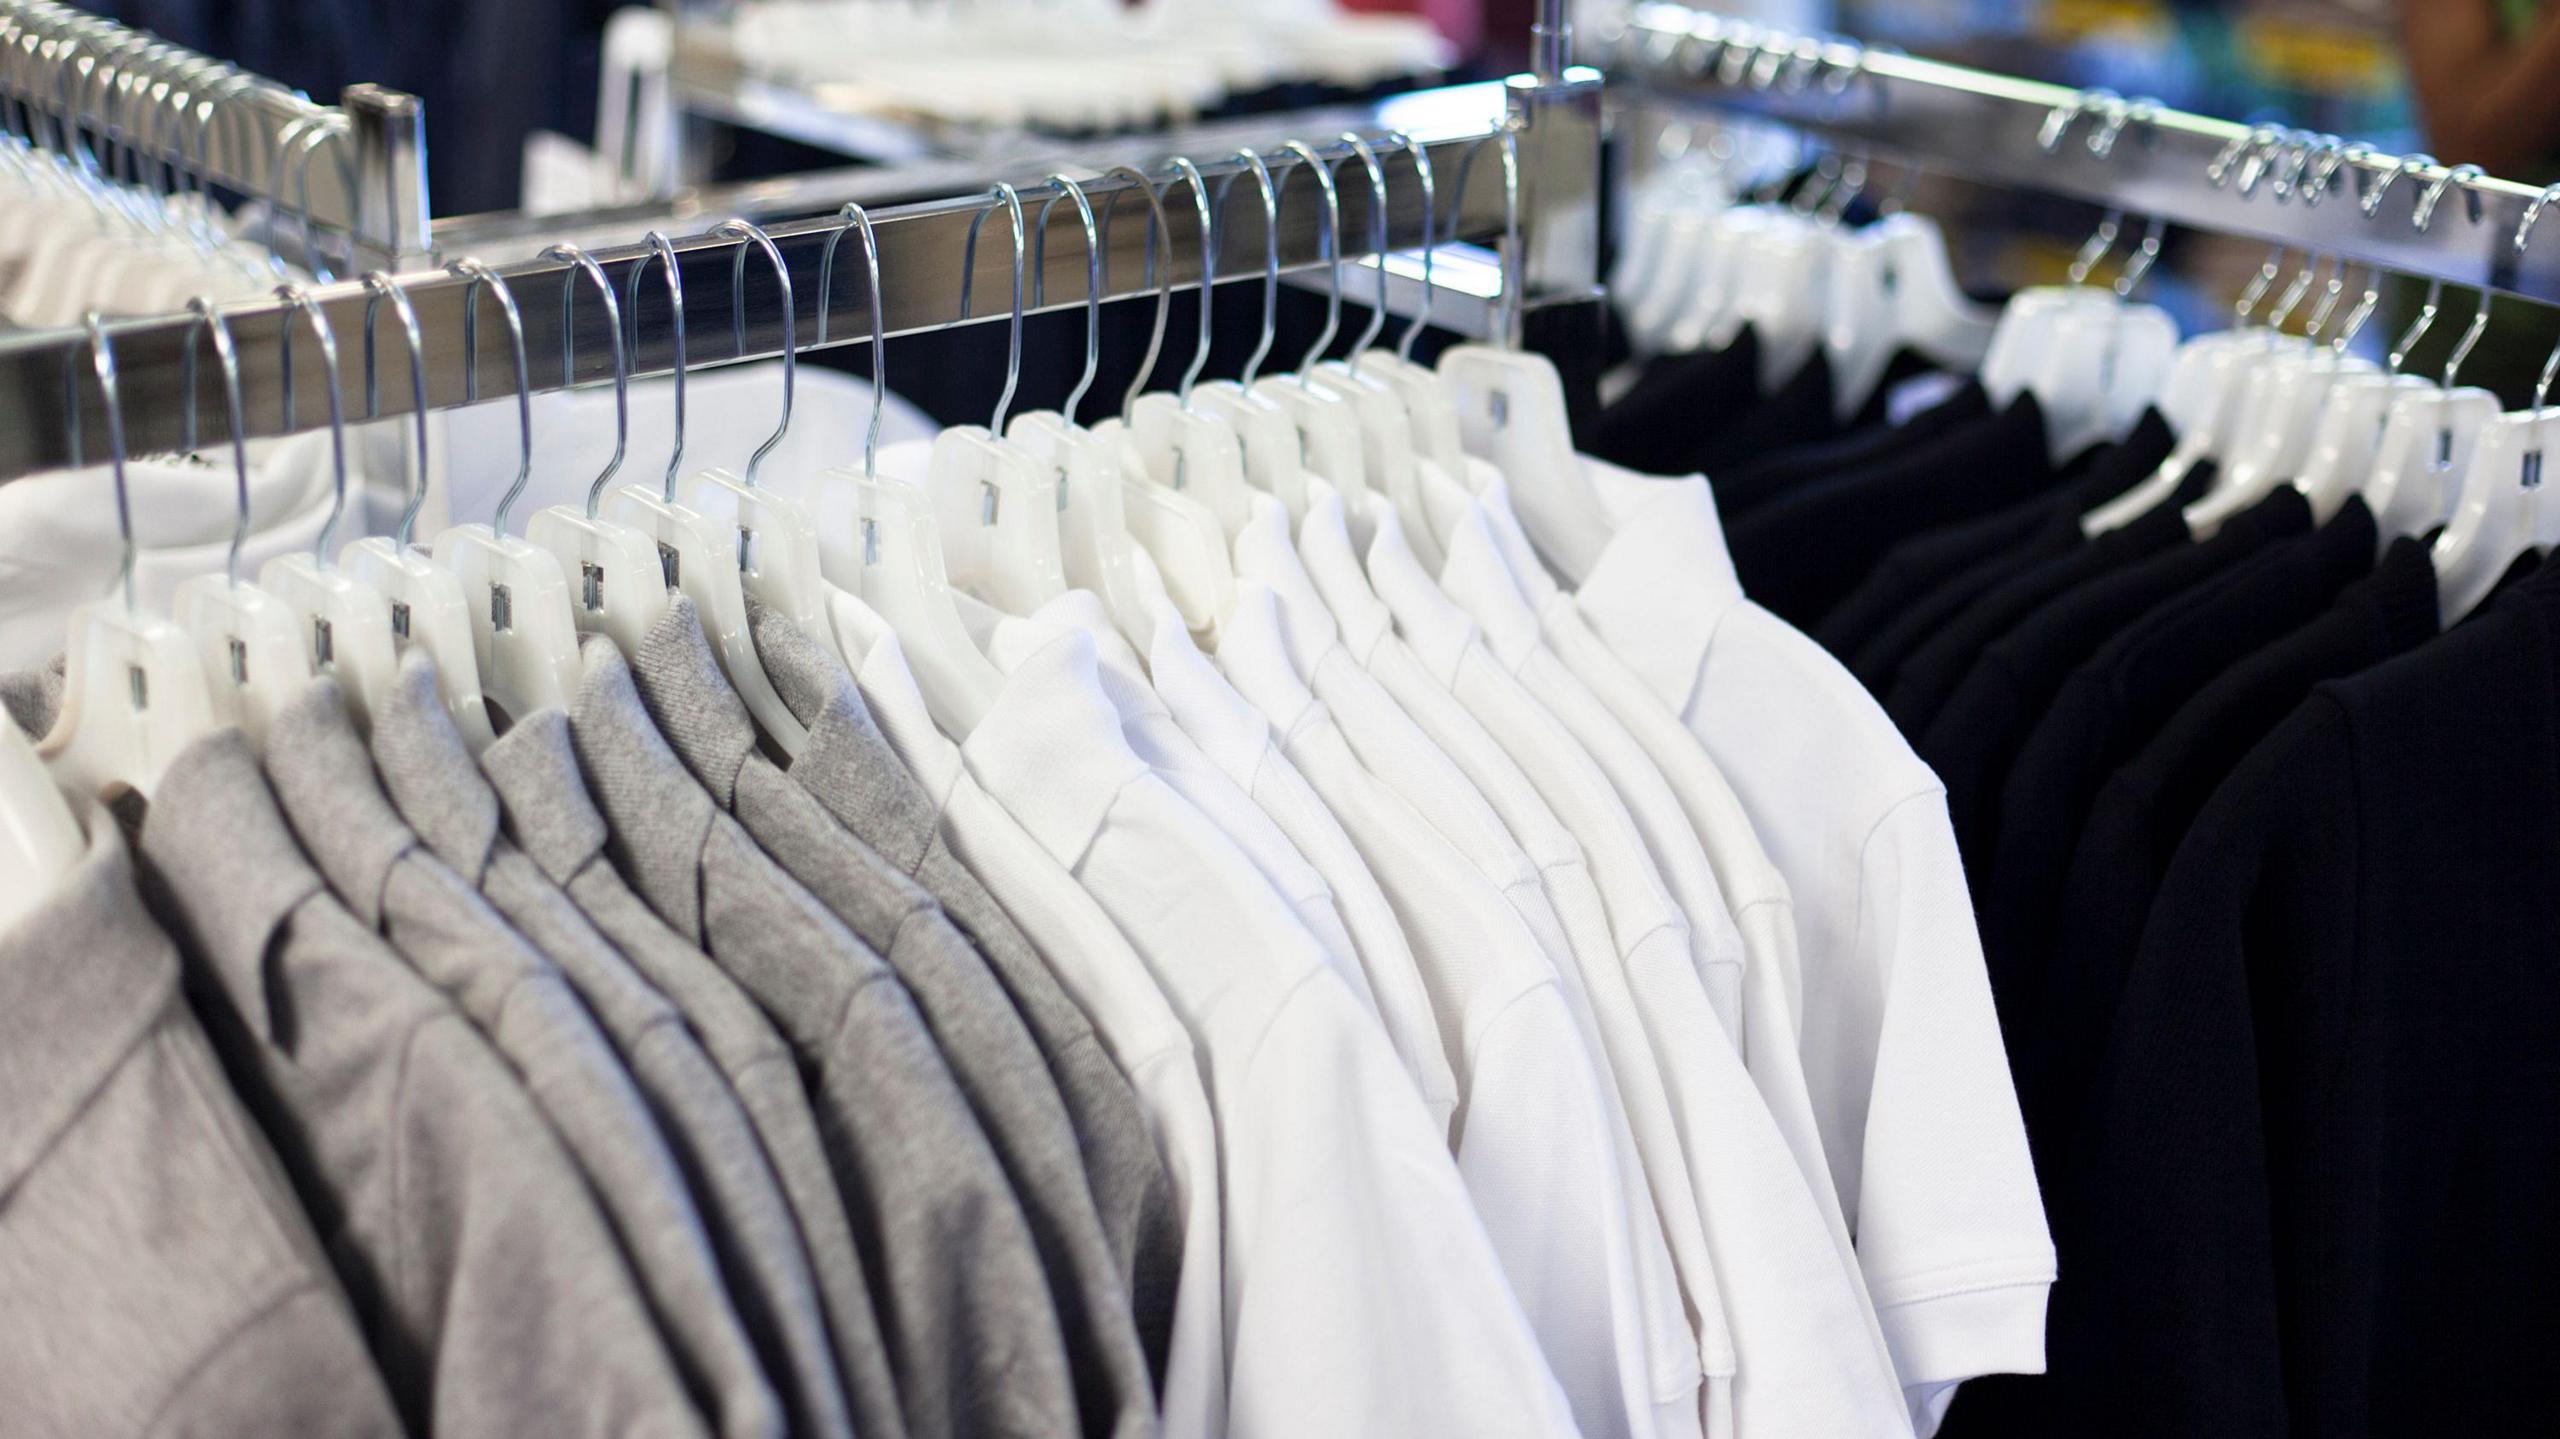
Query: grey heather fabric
(981,1035)
(33,697)
(430,776)
(157,1275)
(552,817)
(973,1333)
(851,768)
(486,1276)
(521,1002)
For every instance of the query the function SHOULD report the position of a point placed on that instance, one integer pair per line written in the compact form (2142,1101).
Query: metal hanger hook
(1508,141)
(2094,249)
(2470,337)
(300,299)
(2366,303)
(210,321)
(481,274)
(1270,255)
(2145,255)
(2418,328)
(2265,279)
(968,276)
(378,288)
(1422,169)
(752,234)
(1159,271)
(1190,172)
(102,360)
(663,250)
(1377,243)
(854,217)
(1328,252)
(585,264)
(1068,188)
(2400,165)
(2295,290)
(2463,175)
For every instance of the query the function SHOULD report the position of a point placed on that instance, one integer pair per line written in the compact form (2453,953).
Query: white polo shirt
(1363,1296)
(1163,744)
(1107,980)
(1901,1048)
(1533,1129)
(1483,567)
(1381,733)
(1238,739)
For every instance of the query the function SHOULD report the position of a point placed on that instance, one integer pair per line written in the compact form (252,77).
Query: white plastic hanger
(2264,434)
(1328,428)
(700,554)
(996,504)
(2502,512)
(1275,456)
(621,588)
(1893,287)
(1093,525)
(428,605)
(248,643)
(1386,429)
(134,693)
(345,623)
(2427,438)
(1178,444)
(521,626)
(1511,407)
(1426,401)
(2090,357)
(2349,430)
(2193,396)
(896,565)
(40,839)
(1184,497)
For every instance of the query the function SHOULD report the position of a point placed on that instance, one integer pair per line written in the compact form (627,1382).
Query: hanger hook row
(2400,165)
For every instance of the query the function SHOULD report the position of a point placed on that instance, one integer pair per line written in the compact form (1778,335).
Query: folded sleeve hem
(1952,1336)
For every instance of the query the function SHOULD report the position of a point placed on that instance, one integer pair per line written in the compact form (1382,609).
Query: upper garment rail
(2408,214)
(48,407)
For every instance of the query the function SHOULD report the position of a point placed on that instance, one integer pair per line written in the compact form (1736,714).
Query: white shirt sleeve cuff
(1938,1343)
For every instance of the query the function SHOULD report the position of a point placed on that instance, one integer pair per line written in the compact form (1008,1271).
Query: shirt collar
(1476,576)
(1663,583)
(847,762)
(1226,726)
(1490,490)
(1324,543)
(215,814)
(326,782)
(83,977)
(1123,674)
(1264,553)
(552,818)
(695,708)
(429,773)
(660,815)
(1050,749)
(1432,624)
(1254,656)
(880,668)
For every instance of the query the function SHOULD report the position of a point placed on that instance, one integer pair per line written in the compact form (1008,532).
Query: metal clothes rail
(929,281)
(99,92)
(2405,213)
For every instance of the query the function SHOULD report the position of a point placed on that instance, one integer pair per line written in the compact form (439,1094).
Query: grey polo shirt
(973,1334)
(982,1037)
(519,999)
(851,768)
(430,776)
(488,1281)
(555,821)
(159,1275)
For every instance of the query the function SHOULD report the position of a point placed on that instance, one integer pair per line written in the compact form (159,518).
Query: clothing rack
(93,89)
(49,403)
(2400,212)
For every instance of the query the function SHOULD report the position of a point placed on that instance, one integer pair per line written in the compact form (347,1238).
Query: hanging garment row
(2233,655)
(1303,907)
